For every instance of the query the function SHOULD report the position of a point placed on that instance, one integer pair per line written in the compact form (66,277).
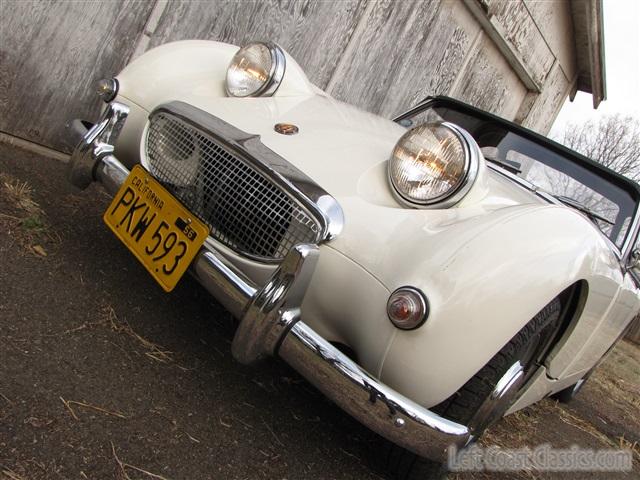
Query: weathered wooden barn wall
(515,58)
(314,33)
(51,53)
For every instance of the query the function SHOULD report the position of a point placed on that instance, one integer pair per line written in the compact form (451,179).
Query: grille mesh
(244,208)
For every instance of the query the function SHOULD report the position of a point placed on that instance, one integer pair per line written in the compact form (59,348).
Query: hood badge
(286,128)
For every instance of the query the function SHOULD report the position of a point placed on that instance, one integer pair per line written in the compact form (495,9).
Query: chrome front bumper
(270,317)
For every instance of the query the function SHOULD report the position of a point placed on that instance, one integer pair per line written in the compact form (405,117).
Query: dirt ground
(102,375)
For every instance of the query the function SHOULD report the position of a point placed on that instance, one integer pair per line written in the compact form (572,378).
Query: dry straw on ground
(123,466)
(22,217)
(154,351)
(68,404)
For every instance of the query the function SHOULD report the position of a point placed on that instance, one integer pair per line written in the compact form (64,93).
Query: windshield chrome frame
(630,241)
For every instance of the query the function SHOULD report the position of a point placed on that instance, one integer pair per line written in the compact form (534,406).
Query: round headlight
(433,165)
(255,70)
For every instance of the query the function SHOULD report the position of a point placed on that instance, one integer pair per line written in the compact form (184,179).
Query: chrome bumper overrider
(270,317)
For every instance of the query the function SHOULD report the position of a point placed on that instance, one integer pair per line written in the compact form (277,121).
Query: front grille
(244,208)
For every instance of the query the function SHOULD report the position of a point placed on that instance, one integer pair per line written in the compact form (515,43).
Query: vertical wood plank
(404,52)
(489,83)
(523,33)
(553,19)
(544,108)
(314,33)
(51,55)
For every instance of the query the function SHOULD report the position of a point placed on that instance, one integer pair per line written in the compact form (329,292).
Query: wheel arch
(485,294)
(573,300)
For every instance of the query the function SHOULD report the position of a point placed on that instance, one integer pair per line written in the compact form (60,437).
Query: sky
(622,61)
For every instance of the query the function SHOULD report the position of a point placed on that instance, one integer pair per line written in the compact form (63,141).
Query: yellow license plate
(156,227)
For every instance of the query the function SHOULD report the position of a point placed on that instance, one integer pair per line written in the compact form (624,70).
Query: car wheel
(475,403)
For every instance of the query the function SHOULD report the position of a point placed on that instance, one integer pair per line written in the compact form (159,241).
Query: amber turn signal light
(407,308)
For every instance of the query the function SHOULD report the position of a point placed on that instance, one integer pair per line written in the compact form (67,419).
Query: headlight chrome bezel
(107,89)
(420,307)
(276,72)
(454,196)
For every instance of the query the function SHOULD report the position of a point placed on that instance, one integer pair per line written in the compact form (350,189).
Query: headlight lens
(431,164)
(256,70)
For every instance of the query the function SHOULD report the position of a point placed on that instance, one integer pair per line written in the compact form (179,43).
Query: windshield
(610,206)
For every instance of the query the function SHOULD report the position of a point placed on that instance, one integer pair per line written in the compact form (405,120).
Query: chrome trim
(270,324)
(423,300)
(314,198)
(446,200)
(276,73)
(499,401)
(95,145)
(521,181)
(246,210)
(278,68)
(369,401)
(107,89)
(111,173)
(578,386)
(275,307)
(630,240)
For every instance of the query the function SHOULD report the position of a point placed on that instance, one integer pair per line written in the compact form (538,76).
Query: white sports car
(428,274)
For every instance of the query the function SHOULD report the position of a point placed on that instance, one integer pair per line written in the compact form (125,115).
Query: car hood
(345,150)
(342,148)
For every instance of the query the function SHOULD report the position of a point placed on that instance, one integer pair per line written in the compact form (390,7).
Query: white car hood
(345,150)
(342,148)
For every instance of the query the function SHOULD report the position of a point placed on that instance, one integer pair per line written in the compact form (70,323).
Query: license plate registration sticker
(162,234)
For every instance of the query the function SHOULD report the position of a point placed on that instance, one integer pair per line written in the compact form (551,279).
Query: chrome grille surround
(213,169)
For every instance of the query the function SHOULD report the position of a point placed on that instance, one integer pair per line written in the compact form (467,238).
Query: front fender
(193,68)
(484,290)
(198,67)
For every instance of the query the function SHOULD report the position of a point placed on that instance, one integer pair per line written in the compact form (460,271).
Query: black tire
(528,346)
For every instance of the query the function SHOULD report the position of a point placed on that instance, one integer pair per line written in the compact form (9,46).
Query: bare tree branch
(613,141)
